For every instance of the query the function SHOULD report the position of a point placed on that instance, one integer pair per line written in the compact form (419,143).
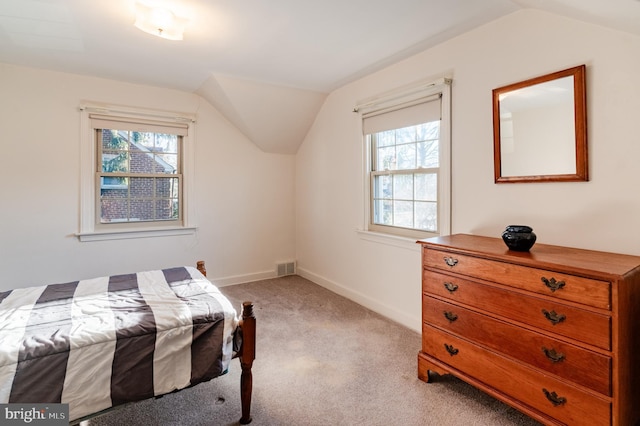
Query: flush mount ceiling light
(159,21)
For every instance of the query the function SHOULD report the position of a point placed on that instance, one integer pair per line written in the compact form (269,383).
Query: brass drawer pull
(450,316)
(451,287)
(554,398)
(450,261)
(553,355)
(554,317)
(452,351)
(552,284)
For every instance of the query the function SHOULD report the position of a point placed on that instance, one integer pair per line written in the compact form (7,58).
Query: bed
(100,343)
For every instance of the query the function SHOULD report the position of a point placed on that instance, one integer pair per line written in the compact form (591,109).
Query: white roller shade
(422,111)
(99,121)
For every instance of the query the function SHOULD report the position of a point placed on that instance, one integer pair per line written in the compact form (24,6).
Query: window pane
(114,182)
(421,131)
(403,187)
(406,157)
(143,162)
(115,161)
(167,143)
(111,140)
(403,214)
(167,209)
(169,162)
(426,187)
(383,186)
(428,154)
(114,210)
(383,214)
(166,187)
(406,134)
(141,187)
(117,193)
(426,216)
(428,131)
(386,158)
(143,139)
(142,210)
(386,138)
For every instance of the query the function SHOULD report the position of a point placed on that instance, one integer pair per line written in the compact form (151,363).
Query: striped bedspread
(102,342)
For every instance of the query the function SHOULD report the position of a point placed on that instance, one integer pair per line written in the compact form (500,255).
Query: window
(139,165)
(140,176)
(408,163)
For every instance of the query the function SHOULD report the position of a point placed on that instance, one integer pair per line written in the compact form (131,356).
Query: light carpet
(322,360)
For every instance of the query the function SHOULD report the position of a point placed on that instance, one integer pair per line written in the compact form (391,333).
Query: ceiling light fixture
(159,21)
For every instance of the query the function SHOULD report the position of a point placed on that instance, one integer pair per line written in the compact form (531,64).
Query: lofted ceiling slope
(276,118)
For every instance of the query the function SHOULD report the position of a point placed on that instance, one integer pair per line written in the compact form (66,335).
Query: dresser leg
(427,370)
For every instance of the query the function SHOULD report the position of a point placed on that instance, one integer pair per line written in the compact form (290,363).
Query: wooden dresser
(554,332)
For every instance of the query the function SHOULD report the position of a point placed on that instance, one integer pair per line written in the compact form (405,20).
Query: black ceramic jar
(519,237)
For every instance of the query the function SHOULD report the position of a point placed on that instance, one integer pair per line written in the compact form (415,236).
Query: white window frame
(90,229)
(394,99)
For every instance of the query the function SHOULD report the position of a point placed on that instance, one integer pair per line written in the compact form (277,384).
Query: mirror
(540,129)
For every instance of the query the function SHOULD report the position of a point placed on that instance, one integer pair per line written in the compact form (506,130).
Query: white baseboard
(384,310)
(239,279)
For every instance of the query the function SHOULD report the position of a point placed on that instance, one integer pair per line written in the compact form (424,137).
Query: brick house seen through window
(139,175)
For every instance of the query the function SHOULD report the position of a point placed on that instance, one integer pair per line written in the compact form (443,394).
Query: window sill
(392,240)
(137,233)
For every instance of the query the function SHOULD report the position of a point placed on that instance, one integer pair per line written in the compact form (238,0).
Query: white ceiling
(315,46)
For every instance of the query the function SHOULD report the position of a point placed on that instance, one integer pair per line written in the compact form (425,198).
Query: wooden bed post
(247,355)
(200,266)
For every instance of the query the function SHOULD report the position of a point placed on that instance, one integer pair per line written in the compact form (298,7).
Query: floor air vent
(288,268)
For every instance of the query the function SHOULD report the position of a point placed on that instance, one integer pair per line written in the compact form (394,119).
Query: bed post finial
(201,268)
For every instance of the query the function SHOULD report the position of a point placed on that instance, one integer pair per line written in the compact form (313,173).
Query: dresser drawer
(571,362)
(580,324)
(563,286)
(558,399)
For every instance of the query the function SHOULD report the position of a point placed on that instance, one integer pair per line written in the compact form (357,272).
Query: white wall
(256,209)
(602,214)
(244,197)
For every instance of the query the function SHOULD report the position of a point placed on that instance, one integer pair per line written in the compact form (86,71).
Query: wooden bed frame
(246,354)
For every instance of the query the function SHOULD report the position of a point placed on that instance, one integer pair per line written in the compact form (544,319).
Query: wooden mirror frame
(580,127)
